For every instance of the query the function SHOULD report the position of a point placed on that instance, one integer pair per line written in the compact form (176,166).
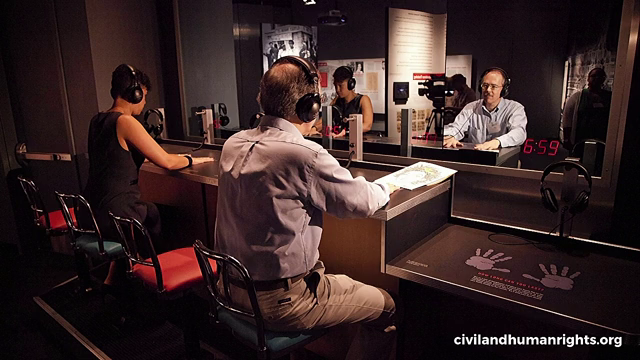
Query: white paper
(417,175)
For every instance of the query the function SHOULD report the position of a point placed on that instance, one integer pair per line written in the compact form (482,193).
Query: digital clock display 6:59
(541,147)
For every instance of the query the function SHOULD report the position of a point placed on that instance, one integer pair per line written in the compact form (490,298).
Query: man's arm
(460,125)
(334,190)
(568,114)
(517,129)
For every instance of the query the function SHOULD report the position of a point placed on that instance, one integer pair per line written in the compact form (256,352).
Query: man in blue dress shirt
(491,122)
(273,188)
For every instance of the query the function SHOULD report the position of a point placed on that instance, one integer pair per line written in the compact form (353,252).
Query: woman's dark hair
(122,79)
(342,73)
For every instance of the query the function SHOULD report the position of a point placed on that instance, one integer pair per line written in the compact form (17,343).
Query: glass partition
(559,57)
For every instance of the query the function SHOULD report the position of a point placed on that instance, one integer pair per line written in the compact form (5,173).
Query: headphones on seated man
(308,106)
(153,130)
(549,200)
(351,83)
(507,81)
(133,93)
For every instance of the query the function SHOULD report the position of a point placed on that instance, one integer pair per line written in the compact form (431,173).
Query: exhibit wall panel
(123,31)
(208,58)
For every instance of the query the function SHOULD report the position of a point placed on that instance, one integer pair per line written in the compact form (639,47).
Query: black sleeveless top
(113,171)
(352,107)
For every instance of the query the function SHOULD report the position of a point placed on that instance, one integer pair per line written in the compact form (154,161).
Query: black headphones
(308,106)
(133,93)
(507,81)
(351,83)
(153,130)
(549,200)
(583,142)
(222,114)
(255,120)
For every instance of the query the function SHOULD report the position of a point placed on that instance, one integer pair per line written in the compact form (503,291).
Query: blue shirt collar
(280,123)
(500,105)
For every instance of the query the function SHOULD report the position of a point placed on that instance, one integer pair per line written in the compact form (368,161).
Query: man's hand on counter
(489,145)
(451,142)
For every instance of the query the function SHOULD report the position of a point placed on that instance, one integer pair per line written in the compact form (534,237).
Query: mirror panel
(547,48)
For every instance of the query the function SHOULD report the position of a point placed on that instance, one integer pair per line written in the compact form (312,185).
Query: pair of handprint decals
(487,261)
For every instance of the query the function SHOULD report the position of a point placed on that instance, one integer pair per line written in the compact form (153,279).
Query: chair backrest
(35,202)
(226,268)
(79,205)
(135,238)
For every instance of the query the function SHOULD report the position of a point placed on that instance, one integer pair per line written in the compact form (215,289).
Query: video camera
(435,89)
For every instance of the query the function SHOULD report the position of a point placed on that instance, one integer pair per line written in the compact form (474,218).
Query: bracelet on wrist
(190,160)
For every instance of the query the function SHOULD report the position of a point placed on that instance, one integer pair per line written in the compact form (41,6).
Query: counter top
(577,284)
(400,201)
(431,149)
(206,173)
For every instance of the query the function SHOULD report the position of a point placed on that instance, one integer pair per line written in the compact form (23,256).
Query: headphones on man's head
(133,93)
(507,80)
(549,200)
(153,130)
(351,83)
(308,106)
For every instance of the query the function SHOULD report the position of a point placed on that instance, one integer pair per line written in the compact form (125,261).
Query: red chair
(53,223)
(171,274)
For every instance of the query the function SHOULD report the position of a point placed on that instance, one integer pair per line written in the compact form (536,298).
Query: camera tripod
(436,119)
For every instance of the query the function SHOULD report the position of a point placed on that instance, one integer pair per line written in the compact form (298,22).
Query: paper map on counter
(417,175)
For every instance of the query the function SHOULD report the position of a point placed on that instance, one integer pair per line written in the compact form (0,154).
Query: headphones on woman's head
(133,93)
(507,81)
(308,106)
(549,200)
(351,83)
(153,130)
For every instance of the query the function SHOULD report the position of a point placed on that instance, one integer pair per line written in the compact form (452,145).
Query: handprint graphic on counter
(554,280)
(485,262)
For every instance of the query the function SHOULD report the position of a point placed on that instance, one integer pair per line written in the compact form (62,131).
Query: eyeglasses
(486,86)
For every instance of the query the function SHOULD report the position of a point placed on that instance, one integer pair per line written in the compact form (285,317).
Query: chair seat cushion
(57,221)
(180,270)
(276,340)
(89,244)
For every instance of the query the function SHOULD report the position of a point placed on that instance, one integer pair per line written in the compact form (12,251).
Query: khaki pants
(322,301)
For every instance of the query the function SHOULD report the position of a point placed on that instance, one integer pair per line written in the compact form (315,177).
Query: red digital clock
(541,147)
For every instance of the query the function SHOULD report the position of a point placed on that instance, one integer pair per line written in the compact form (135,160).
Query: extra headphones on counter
(133,93)
(222,114)
(549,200)
(583,142)
(308,106)
(154,130)
(507,80)
(351,83)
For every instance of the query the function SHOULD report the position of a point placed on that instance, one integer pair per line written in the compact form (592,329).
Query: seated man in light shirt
(274,186)
(491,122)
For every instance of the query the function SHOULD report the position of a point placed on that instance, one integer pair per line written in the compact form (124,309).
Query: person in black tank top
(348,101)
(118,145)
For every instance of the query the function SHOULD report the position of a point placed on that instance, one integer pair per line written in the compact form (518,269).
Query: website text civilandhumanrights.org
(508,339)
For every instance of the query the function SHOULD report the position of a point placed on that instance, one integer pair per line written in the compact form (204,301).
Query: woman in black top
(118,145)
(348,101)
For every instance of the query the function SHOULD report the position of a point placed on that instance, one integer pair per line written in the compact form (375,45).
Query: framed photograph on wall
(285,40)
